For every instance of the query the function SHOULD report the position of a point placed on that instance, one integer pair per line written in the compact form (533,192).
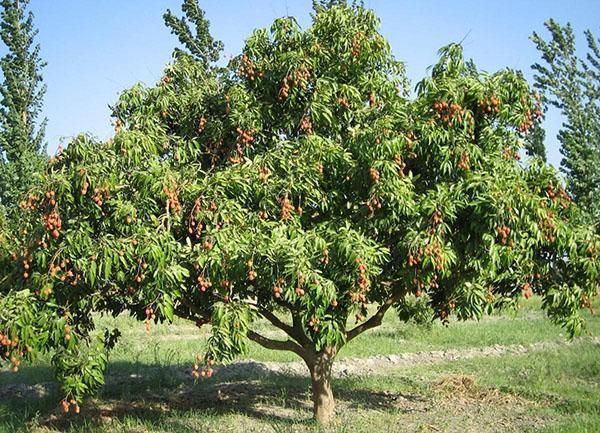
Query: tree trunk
(320,374)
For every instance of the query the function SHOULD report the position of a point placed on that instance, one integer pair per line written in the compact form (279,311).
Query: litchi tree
(301,185)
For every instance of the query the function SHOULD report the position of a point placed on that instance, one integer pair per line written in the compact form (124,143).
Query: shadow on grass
(155,396)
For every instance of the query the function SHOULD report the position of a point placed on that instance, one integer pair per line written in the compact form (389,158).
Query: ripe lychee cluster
(510,154)
(490,105)
(503,233)
(306,125)
(101,195)
(203,283)
(563,198)
(375,175)
(194,226)
(263,174)
(201,124)
(251,272)
(435,252)
(401,164)
(286,208)
(464,161)
(53,224)
(414,260)
(10,351)
(245,137)
(199,370)
(248,68)
(67,405)
(172,199)
(448,112)
(27,263)
(356,44)
(149,312)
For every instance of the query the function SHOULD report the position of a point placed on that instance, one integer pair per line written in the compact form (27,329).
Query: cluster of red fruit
(263,215)
(100,195)
(172,199)
(549,226)
(298,78)
(263,174)
(71,278)
(58,157)
(142,266)
(414,260)
(356,44)
(447,112)
(509,154)
(251,272)
(53,224)
(363,288)
(55,268)
(504,233)
(194,227)
(526,290)
(198,371)
(372,100)
(248,68)
(314,323)
(245,137)
(437,217)
(277,291)
(490,105)
(203,283)
(286,208)
(434,250)
(306,125)
(527,124)
(400,163)
(66,406)
(343,101)
(149,317)
(30,203)
(463,162)
(372,204)
(201,124)
(26,265)
(375,175)
(9,350)
(325,257)
(562,196)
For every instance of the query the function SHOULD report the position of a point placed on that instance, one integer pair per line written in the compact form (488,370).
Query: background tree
(22,149)
(572,85)
(198,42)
(300,185)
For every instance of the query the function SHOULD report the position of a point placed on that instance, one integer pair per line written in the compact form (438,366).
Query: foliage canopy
(302,180)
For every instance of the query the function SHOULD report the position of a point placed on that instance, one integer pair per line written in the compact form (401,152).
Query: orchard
(303,184)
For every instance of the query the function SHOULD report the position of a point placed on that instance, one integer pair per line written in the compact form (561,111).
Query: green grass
(553,390)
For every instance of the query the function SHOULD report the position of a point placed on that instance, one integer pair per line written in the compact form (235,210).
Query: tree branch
(376,319)
(288,345)
(296,332)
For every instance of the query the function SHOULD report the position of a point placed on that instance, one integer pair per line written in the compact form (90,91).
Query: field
(514,372)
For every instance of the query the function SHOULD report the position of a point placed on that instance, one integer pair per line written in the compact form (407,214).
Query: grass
(548,390)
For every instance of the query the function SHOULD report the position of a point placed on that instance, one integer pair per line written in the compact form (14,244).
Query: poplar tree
(572,85)
(22,147)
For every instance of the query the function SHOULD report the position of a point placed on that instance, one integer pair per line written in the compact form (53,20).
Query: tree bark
(320,373)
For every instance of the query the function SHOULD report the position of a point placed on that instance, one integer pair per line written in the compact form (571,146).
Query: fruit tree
(301,184)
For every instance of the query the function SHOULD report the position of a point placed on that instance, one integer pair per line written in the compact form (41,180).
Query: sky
(97,48)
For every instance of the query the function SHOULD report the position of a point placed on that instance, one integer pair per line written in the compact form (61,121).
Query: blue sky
(95,49)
